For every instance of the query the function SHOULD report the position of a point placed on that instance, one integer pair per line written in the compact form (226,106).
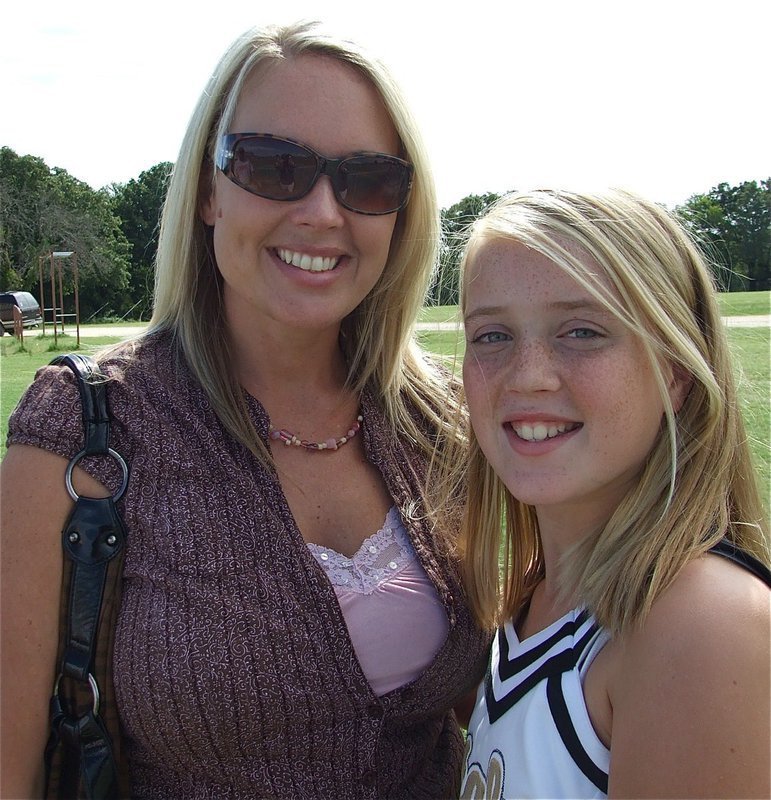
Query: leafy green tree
(22,206)
(82,220)
(455,223)
(44,210)
(138,205)
(705,220)
(733,224)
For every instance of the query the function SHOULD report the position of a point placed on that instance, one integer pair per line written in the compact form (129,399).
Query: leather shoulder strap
(93,395)
(81,754)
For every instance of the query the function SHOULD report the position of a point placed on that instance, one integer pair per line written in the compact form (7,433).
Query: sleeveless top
(386,596)
(530,733)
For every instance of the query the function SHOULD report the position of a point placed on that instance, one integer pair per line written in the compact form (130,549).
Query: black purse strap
(93,396)
(93,536)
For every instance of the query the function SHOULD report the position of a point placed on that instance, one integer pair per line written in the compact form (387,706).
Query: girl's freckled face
(563,398)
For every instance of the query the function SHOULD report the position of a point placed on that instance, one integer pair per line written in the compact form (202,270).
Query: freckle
(219,213)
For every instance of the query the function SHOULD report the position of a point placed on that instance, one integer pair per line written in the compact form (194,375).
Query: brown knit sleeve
(49,416)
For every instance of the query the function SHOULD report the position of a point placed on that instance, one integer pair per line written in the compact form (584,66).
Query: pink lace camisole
(395,619)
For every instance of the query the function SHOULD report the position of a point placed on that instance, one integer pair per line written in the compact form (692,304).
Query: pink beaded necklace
(289,438)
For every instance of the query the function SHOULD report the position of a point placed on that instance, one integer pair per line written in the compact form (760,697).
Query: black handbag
(83,753)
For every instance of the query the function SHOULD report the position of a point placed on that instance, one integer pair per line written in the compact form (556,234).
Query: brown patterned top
(235,675)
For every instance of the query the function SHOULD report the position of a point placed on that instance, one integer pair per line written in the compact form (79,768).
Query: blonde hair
(377,336)
(698,484)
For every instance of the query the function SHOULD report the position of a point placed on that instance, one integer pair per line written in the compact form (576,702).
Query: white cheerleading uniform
(530,734)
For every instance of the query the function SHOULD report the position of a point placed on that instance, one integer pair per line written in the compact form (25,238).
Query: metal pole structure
(59,255)
(77,303)
(53,297)
(61,294)
(40,260)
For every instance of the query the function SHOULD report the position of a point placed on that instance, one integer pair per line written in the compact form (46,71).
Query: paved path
(119,331)
(759,321)
(124,331)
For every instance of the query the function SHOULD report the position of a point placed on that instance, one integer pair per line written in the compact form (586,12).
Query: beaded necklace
(290,439)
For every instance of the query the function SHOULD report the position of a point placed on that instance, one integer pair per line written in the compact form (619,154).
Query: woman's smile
(307,262)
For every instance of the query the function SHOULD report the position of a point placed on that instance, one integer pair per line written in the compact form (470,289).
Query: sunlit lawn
(737,304)
(732,304)
(751,348)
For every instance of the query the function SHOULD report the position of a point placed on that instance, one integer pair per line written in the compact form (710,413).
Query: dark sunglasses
(282,169)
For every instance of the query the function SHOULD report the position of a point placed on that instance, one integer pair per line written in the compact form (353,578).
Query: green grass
(444,343)
(750,348)
(439,314)
(739,304)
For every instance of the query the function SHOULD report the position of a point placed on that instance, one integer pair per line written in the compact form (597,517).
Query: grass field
(750,346)
(439,314)
(739,304)
(733,304)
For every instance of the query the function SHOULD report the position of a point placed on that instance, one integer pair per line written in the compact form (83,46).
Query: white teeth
(306,262)
(540,430)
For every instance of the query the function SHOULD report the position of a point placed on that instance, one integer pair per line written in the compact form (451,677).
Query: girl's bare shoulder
(690,688)
(714,610)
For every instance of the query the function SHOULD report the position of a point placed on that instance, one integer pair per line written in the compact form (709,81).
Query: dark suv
(26,303)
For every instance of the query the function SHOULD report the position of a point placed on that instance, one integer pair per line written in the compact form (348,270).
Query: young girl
(607,446)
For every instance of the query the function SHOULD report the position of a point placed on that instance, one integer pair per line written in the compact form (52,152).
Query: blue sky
(667,98)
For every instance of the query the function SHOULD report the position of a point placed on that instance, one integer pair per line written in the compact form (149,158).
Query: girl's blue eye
(582,333)
(492,337)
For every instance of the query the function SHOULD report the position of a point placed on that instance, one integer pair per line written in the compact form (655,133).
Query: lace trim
(380,557)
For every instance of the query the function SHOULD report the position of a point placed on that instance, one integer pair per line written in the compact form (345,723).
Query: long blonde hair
(378,335)
(698,484)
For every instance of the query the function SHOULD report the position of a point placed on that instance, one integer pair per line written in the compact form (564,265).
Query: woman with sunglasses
(288,626)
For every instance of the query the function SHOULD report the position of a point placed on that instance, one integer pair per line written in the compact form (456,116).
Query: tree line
(732,225)
(114,231)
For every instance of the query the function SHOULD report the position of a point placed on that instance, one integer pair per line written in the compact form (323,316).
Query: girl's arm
(34,505)
(691,693)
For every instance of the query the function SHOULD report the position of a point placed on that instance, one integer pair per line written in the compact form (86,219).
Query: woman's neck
(545,606)
(562,527)
(299,377)
(268,356)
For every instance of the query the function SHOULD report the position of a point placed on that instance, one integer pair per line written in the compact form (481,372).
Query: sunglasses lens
(278,169)
(273,169)
(373,184)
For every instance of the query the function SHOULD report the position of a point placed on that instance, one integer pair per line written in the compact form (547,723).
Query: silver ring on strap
(73,462)
(94,690)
